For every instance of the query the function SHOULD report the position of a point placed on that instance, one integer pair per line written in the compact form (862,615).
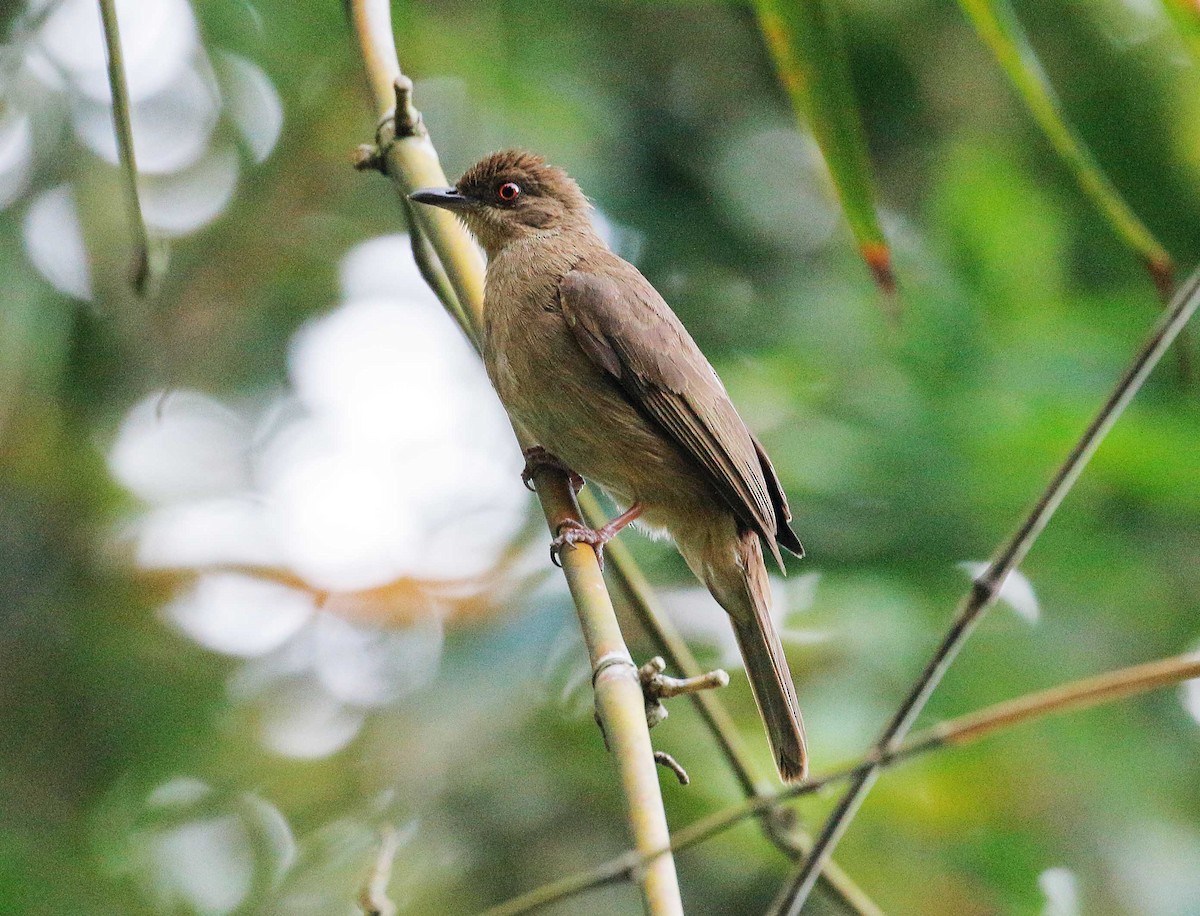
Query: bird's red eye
(509,191)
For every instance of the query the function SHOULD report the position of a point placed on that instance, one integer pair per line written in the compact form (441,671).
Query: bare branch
(141,270)
(409,160)
(987,587)
(374,900)
(1094,691)
(778,824)
(663,759)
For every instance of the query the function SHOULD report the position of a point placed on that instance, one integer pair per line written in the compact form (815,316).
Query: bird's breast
(574,408)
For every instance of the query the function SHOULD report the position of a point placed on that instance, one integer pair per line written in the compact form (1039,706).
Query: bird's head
(511,195)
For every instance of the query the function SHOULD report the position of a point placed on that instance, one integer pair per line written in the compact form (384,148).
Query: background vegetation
(303,594)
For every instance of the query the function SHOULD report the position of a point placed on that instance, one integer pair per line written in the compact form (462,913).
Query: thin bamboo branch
(778,824)
(373,900)
(409,159)
(671,646)
(439,250)
(619,702)
(1083,694)
(987,587)
(140,272)
(431,268)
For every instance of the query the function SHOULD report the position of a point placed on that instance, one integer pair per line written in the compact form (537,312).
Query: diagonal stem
(450,263)
(140,271)
(987,587)
(407,157)
(1083,694)
(778,824)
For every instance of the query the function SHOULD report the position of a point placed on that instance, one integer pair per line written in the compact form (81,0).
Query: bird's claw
(571,532)
(536,458)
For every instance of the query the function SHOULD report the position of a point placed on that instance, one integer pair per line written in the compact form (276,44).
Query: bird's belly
(576,411)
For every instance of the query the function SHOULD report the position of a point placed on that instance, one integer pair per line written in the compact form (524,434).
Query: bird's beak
(446,198)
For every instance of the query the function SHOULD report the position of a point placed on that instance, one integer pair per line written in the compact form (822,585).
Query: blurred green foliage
(904,451)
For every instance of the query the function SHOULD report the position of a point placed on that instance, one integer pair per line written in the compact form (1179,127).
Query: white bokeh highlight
(179,446)
(1060,888)
(196,850)
(172,129)
(366,487)
(203,864)
(1017,591)
(157,41)
(16,156)
(227,530)
(1189,694)
(238,614)
(182,202)
(388,459)
(189,113)
(252,103)
(54,242)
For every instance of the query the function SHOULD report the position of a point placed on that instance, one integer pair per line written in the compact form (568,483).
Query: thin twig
(663,759)
(413,164)
(778,824)
(967,729)
(987,587)
(140,269)
(374,900)
(433,273)
(408,158)
(441,246)
(1082,694)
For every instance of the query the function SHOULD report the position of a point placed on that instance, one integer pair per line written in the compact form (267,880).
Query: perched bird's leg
(537,457)
(572,532)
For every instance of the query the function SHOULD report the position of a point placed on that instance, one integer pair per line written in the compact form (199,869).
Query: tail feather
(772,685)
(737,577)
(767,668)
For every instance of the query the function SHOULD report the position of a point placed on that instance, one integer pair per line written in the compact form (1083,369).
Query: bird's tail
(737,577)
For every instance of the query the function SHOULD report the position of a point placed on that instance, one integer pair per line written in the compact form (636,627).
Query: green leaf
(806,45)
(997,25)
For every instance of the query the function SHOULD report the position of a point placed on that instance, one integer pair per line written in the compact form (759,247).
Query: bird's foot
(571,532)
(537,457)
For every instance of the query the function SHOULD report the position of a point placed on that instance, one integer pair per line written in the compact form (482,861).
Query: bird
(592,363)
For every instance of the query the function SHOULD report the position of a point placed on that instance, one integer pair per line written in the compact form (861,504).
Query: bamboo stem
(140,270)
(1083,694)
(777,824)
(987,587)
(409,159)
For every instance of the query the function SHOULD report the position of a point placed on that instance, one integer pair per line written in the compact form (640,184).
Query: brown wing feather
(783,512)
(628,330)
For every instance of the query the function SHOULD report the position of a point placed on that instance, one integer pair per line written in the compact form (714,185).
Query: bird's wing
(627,329)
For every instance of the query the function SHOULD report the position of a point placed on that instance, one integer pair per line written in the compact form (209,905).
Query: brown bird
(590,360)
